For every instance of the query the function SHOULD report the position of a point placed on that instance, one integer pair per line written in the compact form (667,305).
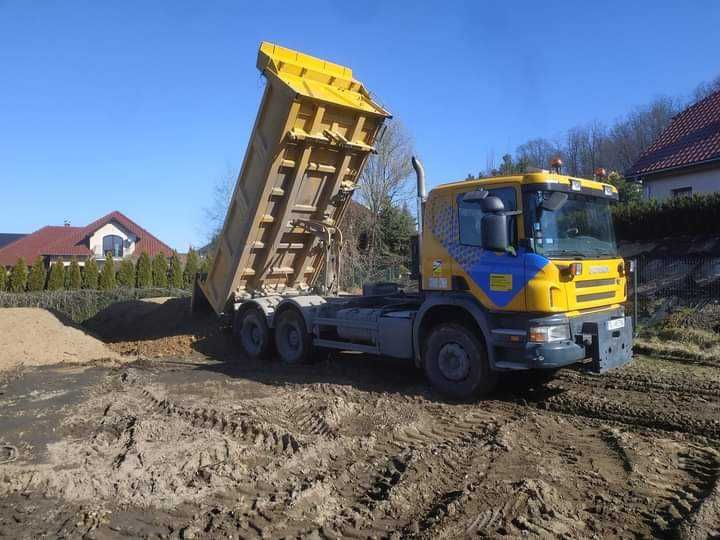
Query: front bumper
(591,343)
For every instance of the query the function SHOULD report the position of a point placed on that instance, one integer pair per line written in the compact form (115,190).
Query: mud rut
(180,449)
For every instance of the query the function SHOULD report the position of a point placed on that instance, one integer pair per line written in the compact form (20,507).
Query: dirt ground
(206,444)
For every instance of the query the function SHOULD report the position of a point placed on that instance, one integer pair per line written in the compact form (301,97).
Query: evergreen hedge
(677,216)
(107,275)
(80,305)
(126,274)
(160,271)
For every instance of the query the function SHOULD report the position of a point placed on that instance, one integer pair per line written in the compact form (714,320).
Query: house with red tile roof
(114,233)
(685,158)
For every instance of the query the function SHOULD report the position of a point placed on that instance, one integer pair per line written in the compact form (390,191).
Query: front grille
(594,283)
(595,296)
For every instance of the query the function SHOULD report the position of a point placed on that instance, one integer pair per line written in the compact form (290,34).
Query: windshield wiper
(568,252)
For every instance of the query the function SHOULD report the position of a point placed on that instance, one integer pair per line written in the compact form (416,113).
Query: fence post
(635,298)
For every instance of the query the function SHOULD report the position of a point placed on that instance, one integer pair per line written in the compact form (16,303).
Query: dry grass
(680,336)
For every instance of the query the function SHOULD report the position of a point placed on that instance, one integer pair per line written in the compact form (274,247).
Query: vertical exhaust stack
(420,173)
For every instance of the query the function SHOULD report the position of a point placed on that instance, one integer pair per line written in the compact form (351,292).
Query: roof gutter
(639,176)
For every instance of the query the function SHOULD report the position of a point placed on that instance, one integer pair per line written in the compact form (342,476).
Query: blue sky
(141,106)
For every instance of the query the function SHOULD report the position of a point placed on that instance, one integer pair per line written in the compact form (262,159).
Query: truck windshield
(580,227)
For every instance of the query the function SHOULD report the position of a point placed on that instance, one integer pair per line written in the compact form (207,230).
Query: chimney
(66,223)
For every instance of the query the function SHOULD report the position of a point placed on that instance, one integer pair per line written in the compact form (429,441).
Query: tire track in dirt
(581,404)
(246,430)
(695,506)
(640,383)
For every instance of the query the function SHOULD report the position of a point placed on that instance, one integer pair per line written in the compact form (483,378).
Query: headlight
(547,334)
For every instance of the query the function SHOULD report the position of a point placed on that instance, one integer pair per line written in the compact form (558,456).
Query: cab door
(496,279)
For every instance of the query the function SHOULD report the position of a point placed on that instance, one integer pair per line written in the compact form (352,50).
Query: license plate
(615,324)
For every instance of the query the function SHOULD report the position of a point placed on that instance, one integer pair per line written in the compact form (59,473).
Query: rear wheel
(252,333)
(456,363)
(292,341)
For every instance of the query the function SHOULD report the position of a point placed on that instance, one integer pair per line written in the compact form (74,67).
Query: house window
(113,244)
(682,192)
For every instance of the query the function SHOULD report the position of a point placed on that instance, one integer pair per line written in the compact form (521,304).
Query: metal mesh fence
(660,284)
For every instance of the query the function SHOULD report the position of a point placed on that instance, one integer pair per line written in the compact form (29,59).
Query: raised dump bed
(314,130)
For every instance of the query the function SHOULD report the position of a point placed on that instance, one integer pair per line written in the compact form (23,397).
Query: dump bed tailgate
(314,130)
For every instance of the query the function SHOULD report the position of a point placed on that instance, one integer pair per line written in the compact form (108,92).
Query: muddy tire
(456,363)
(252,334)
(292,341)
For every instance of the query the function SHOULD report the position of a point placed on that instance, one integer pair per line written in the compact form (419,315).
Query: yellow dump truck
(516,273)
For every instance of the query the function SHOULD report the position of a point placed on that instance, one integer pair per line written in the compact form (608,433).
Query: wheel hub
(453,362)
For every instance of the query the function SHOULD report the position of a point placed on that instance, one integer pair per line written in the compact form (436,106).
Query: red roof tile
(72,241)
(692,137)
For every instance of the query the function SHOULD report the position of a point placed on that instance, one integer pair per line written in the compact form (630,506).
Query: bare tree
(214,214)
(537,152)
(385,181)
(703,90)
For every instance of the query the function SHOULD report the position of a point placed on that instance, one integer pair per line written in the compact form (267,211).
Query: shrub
(160,271)
(206,264)
(36,278)
(80,305)
(18,276)
(126,274)
(3,278)
(648,219)
(56,279)
(107,275)
(90,275)
(143,271)
(176,273)
(73,278)
(192,265)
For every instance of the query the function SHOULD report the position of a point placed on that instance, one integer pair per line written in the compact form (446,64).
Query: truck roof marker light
(575,185)
(556,164)
(608,190)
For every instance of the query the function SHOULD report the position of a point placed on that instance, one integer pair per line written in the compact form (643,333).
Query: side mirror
(475,196)
(492,204)
(495,232)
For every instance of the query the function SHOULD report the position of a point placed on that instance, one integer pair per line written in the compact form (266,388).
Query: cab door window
(470,216)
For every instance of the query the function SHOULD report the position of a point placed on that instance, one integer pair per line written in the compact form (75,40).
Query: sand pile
(161,327)
(35,337)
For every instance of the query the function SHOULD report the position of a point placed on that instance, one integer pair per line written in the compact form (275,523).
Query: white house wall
(96,240)
(701,182)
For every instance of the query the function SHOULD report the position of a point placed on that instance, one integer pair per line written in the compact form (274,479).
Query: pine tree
(206,264)
(73,276)
(191,269)
(18,276)
(90,275)
(160,271)
(36,278)
(176,273)
(56,279)
(126,274)
(3,278)
(143,271)
(107,274)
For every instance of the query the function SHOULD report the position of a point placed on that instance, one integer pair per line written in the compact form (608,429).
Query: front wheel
(292,341)
(456,363)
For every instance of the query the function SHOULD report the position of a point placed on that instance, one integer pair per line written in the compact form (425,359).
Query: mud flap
(610,348)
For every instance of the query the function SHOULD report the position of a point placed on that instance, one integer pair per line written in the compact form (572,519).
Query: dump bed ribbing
(314,130)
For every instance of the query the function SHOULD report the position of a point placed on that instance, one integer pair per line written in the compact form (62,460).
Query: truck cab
(533,259)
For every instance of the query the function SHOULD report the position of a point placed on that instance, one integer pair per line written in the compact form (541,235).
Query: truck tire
(292,341)
(456,363)
(252,333)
